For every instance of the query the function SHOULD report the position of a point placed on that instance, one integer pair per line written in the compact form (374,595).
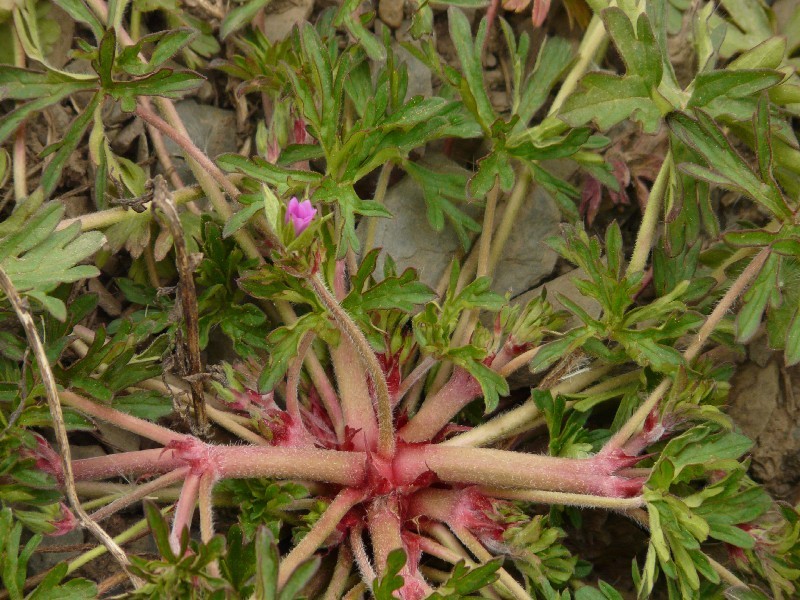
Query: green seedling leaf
(473,89)
(385,586)
(609,99)
(715,85)
(240,16)
(726,167)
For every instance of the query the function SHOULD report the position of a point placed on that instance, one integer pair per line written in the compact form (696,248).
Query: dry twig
(20,306)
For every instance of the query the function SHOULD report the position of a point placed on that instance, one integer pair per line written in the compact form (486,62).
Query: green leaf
(240,219)
(609,99)
(78,10)
(299,578)
(756,299)
(164,82)
(267,561)
(64,149)
(493,385)
(403,293)
(714,85)
(159,529)
(638,48)
(473,89)
(385,586)
(240,16)
(349,16)
(106,53)
(551,62)
(166,45)
(283,347)
(792,350)
(726,167)
(442,192)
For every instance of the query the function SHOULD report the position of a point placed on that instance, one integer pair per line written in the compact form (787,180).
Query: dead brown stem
(20,307)
(188,297)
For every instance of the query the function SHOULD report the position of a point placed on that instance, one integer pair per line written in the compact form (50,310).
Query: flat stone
(411,241)
(42,561)
(526,259)
(763,402)
(119,439)
(391,12)
(212,129)
(281,17)
(419,75)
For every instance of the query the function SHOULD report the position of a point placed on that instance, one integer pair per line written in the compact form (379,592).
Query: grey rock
(42,561)
(118,438)
(81,452)
(391,12)
(212,129)
(526,259)
(283,15)
(411,241)
(419,75)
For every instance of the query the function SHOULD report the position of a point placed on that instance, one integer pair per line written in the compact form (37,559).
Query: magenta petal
(300,214)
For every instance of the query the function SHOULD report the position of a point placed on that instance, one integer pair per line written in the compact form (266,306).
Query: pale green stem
(509,218)
(25,318)
(142,491)
(102,501)
(129,534)
(318,376)
(154,432)
(380,194)
(564,499)
(341,572)
(416,375)
(118,214)
(621,437)
(485,242)
(650,219)
(474,545)
(20,168)
(588,51)
(518,362)
(205,506)
(521,418)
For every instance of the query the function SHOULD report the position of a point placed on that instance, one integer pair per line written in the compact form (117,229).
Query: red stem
(184,510)
(320,531)
(438,410)
(187,146)
(501,468)
(143,462)
(385,533)
(357,408)
(332,466)
(151,431)
(232,462)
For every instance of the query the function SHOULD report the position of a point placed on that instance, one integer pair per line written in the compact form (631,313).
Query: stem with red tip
(344,501)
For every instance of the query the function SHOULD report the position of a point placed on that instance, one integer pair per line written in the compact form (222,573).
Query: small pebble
(391,12)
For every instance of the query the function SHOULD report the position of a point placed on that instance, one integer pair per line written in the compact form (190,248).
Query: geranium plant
(361,436)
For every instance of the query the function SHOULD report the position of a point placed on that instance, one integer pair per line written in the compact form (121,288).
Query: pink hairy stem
(324,527)
(184,510)
(501,468)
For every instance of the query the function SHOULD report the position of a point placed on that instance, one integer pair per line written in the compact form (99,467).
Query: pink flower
(300,214)
(65,523)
